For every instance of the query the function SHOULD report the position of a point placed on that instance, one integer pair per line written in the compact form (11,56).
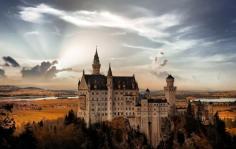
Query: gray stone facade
(102,98)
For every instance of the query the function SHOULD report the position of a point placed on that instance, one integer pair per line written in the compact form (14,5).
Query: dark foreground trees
(71,133)
(218,137)
(7,127)
(191,133)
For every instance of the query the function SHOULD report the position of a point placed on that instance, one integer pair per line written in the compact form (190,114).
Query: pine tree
(27,139)
(7,127)
(70,118)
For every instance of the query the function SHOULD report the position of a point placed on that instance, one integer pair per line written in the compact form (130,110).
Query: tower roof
(170,77)
(96,58)
(109,71)
(119,82)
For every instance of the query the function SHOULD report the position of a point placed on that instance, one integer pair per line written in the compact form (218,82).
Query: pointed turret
(109,71)
(96,58)
(96,63)
(78,84)
(109,93)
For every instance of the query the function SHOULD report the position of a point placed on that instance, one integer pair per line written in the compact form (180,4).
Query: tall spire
(96,57)
(96,63)
(109,71)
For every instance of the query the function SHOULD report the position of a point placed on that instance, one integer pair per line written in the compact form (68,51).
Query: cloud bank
(46,70)
(9,61)
(152,27)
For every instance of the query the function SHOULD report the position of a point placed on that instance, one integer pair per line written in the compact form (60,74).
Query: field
(232,131)
(49,110)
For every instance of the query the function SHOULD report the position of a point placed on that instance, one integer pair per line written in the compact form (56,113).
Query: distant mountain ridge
(12,91)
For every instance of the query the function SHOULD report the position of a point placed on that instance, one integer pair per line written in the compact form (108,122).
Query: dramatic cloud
(9,61)
(46,70)
(152,27)
(164,62)
(198,40)
(158,63)
(161,74)
(31,33)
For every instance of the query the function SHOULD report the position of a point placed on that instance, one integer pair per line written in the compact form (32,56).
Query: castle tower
(96,63)
(147,94)
(110,94)
(170,91)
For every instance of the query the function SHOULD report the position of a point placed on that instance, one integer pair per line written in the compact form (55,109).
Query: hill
(14,91)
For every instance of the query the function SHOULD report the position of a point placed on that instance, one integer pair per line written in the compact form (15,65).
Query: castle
(103,98)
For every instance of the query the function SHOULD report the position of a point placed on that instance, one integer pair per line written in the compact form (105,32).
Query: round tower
(170,91)
(147,94)
(170,81)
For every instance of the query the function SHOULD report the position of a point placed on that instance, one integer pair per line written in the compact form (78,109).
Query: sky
(47,43)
